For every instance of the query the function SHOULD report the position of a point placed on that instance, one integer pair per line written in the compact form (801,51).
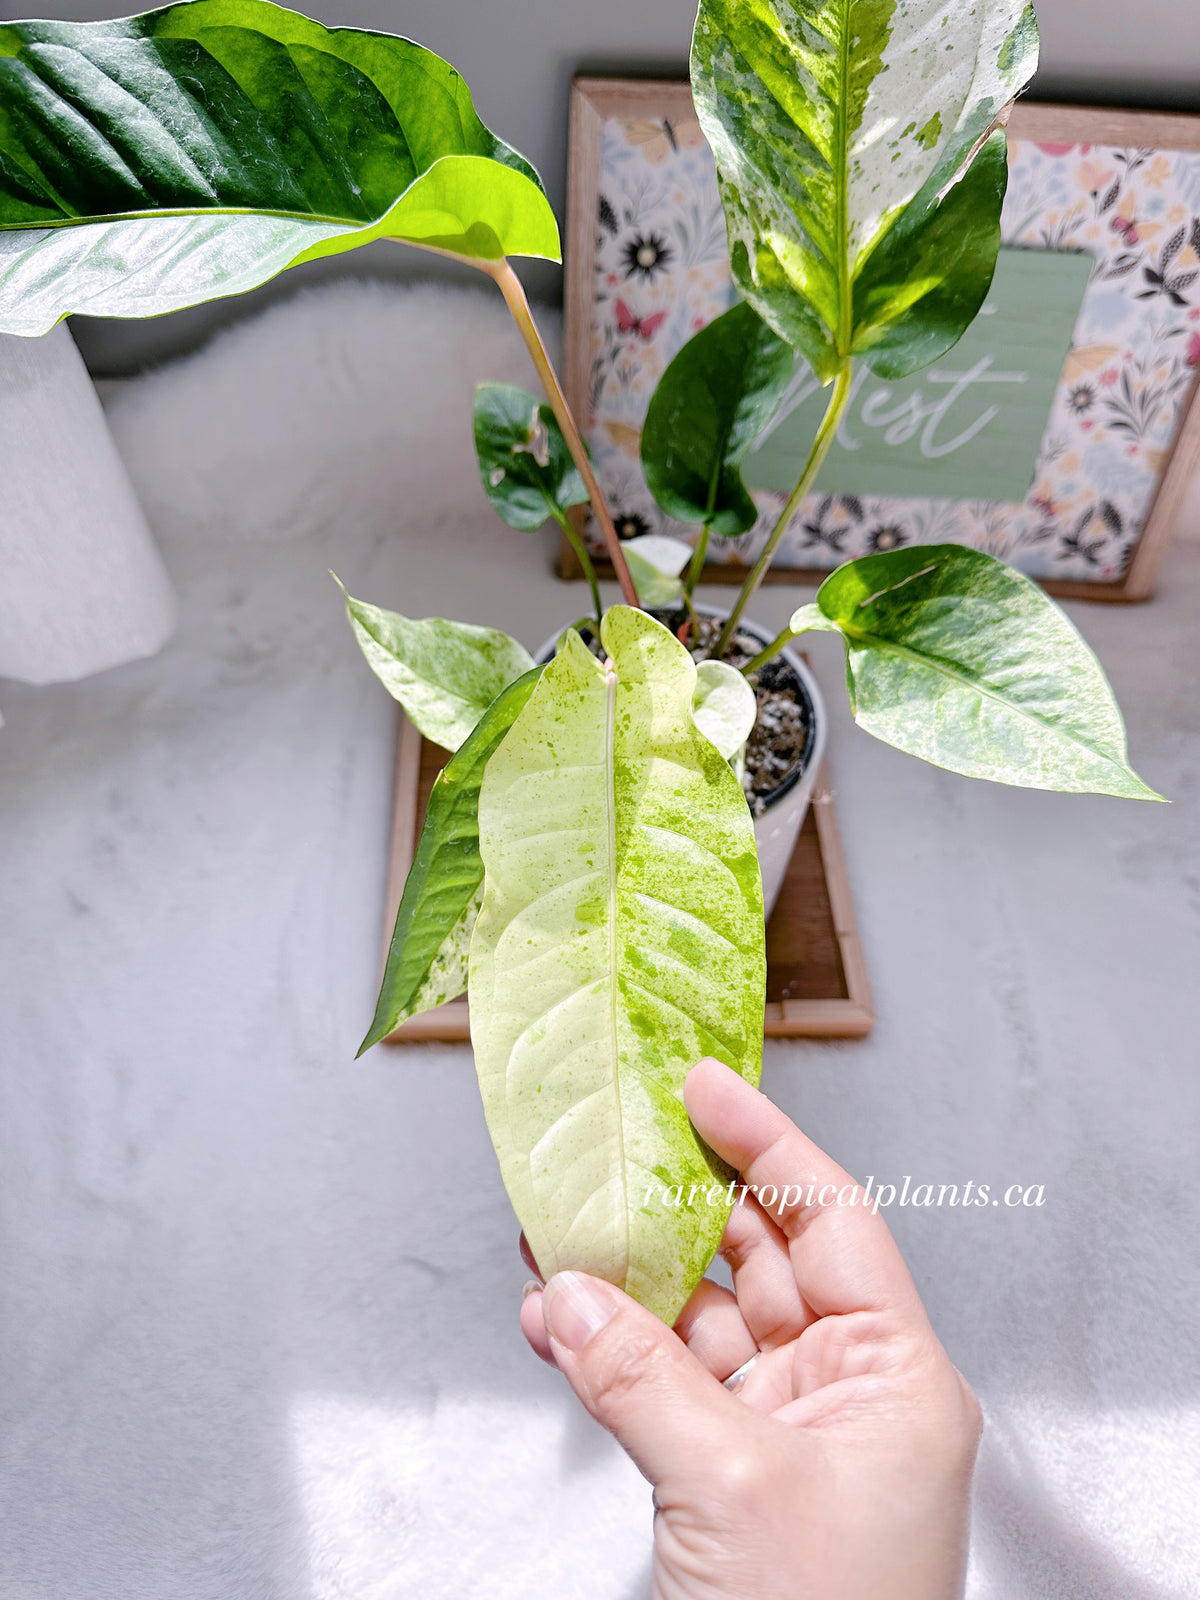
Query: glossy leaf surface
(620,939)
(836,122)
(195,151)
(710,405)
(961,660)
(444,674)
(427,959)
(524,462)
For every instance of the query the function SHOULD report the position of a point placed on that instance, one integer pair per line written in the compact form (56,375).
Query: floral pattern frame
(647,266)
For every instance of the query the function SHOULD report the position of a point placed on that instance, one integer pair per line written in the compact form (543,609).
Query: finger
(639,1380)
(533,1324)
(843,1255)
(714,1330)
(527,1258)
(764,1280)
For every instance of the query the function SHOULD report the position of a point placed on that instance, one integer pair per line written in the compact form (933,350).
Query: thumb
(638,1379)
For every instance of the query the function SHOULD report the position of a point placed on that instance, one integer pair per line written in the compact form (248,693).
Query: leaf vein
(961,676)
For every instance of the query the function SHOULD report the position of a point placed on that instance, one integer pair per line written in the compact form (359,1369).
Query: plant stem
(514,295)
(585,561)
(778,643)
(816,456)
(697,566)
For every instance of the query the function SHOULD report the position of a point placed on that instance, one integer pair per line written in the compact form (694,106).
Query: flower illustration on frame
(1161,279)
(646,255)
(888,537)
(630,525)
(1081,399)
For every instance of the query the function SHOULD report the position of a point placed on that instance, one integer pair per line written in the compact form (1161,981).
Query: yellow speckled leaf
(620,939)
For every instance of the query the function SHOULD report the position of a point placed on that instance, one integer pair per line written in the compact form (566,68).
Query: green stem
(816,456)
(585,561)
(697,566)
(514,295)
(778,643)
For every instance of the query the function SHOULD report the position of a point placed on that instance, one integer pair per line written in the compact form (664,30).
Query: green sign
(967,428)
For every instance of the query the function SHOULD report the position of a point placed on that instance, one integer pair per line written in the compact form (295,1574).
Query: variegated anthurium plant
(587,868)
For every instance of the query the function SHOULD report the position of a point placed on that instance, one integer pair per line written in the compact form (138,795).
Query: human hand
(841,1467)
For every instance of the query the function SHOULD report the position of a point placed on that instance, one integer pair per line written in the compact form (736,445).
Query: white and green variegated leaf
(620,939)
(724,705)
(836,123)
(655,561)
(445,674)
(444,978)
(427,959)
(963,661)
(197,150)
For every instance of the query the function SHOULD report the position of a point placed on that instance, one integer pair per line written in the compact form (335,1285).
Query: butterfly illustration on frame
(641,327)
(658,137)
(1135,232)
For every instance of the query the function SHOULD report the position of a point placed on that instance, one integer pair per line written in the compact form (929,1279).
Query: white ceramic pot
(778,827)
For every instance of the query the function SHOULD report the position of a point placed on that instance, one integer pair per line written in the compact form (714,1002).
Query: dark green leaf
(924,285)
(524,461)
(828,122)
(195,151)
(427,960)
(961,660)
(710,405)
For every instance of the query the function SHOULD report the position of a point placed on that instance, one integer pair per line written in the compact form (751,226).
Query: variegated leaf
(445,674)
(655,562)
(963,661)
(191,152)
(835,123)
(724,705)
(427,960)
(620,939)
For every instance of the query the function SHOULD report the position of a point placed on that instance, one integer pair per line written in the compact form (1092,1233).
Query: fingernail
(575,1309)
(530,1288)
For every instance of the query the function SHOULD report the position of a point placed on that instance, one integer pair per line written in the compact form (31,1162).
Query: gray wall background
(519,57)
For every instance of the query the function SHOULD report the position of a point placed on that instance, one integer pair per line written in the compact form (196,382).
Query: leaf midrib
(321,218)
(878,641)
(845,331)
(610,777)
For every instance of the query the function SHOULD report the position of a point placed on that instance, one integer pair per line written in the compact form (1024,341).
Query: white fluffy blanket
(259,1336)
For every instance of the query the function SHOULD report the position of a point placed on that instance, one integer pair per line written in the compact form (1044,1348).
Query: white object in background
(82,586)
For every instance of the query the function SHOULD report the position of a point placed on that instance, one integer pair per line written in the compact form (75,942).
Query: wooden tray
(817,984)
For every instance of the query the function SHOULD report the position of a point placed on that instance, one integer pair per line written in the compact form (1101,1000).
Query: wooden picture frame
(668,104)
(817,984)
